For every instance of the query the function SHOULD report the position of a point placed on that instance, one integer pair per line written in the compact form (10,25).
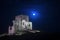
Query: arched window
(29,25)
(10,28)
(23,23)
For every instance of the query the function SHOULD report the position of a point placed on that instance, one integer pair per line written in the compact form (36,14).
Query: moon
(33,14)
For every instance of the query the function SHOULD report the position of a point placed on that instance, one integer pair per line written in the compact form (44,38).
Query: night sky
(45,19)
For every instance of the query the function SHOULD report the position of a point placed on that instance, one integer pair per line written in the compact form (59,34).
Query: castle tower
(21,23)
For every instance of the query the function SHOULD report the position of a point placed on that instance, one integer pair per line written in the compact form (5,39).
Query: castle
(20,25)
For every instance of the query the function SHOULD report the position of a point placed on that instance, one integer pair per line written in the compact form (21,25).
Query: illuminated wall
(21,23)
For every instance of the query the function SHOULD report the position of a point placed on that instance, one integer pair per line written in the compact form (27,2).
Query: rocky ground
(32,36)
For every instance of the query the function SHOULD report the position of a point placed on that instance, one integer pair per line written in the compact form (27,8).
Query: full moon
(33,14)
